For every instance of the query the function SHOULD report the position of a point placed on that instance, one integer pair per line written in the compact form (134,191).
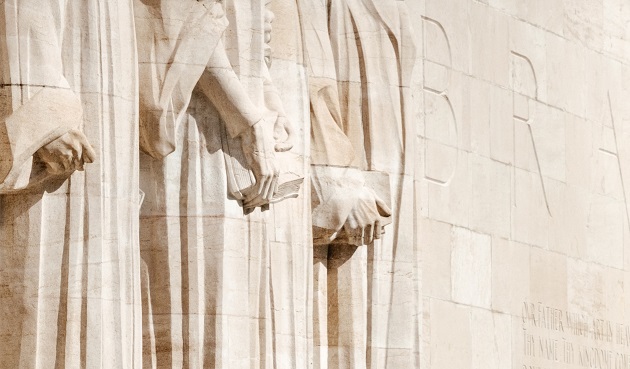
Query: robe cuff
(48,115)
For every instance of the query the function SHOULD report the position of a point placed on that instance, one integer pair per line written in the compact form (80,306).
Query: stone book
(242,183)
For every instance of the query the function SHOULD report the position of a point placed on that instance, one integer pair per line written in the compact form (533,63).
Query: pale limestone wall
(523,183)
(499,170)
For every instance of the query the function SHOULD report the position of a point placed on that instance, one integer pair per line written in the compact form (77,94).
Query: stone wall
(525,168)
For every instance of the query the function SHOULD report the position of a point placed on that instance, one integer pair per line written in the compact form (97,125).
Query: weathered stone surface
(320,184)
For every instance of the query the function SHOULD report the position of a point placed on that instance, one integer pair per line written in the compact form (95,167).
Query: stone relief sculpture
(183,45)
(207,280)
(69,261)
(154,212)
(360,57)
(202,277)
(289,223)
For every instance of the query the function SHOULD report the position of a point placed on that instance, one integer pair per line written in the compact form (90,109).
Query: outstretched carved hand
(258,147)
(363,224)
(67,153)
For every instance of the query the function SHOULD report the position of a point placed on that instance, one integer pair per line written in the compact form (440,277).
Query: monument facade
(323,184)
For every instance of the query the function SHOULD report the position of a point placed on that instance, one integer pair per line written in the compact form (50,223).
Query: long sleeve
(178,38)
(332,154)
(225,91)
(36,103)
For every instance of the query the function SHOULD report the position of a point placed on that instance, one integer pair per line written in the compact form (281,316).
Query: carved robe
(69,255)
(209,301)
(360,55)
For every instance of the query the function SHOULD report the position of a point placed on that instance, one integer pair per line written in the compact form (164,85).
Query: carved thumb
(287,144)
(89,154)
(383,209)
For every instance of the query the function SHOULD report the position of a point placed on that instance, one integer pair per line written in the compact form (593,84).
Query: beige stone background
(523,185)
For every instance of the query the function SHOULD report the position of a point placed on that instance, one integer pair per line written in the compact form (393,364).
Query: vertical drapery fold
(69,244)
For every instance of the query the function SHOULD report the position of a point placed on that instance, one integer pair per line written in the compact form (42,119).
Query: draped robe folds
(69,255)
(221,290)
(361,56)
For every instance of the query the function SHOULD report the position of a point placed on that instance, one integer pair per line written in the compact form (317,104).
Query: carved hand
(283,127)
(363,224)
(67,153)
(258,146)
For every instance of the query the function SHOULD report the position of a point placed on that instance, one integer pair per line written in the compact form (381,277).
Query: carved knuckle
(266,173)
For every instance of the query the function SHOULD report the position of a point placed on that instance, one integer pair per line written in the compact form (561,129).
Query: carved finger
(66,163)
(89,155)
(77,148)
(77,158)
(269,16)
(383,209)
(258,166)
(353,238)
(275,172)
(54,168)
(288,143)
(268,186)
(85,159)
(273,188)
(349,231)
(361,237)
(352,225)
(368,234)
(265,185)
(79,164)
(377,229)
(268,175)
(262,183)
(284,146)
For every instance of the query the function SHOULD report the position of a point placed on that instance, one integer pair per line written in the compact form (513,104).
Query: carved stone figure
(289,222)
(208,280)
(360,57)
(154,213)
(69,261)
